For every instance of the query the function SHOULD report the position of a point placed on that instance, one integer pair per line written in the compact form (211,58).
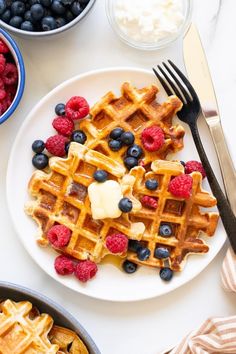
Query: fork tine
(171,83)
(162,81)
(185,81)
(184,92)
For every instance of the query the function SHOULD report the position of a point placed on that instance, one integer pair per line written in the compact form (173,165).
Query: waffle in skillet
(184,216)
(135,110)
(61,197)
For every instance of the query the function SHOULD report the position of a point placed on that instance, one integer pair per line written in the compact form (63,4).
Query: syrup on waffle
(61,198)
(184,216)
(134,111)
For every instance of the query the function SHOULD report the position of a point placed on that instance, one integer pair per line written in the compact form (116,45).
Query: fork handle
(226,213)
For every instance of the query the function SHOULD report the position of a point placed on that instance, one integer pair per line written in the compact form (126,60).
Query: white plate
(110,283)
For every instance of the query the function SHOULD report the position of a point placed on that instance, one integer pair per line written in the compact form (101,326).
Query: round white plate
(110,283)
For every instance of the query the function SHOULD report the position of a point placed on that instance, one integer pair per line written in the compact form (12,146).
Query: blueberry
(40,161)
(182,163)
(166,274)
(79,136)
(27,26)
(151,184)
(6,16)
(75,8)
(16,21)
(125,205)
(135,151)
(69,16)
(38,146)
(60,22)
(57,7)
(28,16)
(60,109)
(134,245)
(116,133)
(143,253)
(161,252)
(165,230)
(67,146)
(100,175)
(18,8)
(129,267)
(46,3)
(130,162)
(127,138)
(115,145)
(48,23)
(37,12)
(3,6)
(67,2)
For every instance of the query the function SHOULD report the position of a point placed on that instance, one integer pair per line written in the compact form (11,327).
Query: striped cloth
(216,335)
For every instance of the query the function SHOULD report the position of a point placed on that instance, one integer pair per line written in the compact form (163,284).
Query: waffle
(21,334)
(184,215)
(135,110)
(67,340)
(62,198)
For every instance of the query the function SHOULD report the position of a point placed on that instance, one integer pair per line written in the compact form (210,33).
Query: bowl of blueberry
(39,18)
(12,76)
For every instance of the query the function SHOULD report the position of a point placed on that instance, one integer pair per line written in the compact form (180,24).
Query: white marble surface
(145,327)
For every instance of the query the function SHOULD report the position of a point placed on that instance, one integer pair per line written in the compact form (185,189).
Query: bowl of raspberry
(40,18)
(12,76)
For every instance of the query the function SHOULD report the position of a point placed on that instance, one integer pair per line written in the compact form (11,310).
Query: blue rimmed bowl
(60,316)
(15,51)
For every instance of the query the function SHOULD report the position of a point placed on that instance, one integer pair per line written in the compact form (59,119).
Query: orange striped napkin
(216,335)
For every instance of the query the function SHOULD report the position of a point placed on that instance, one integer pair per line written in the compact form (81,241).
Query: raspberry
(149,202)
(2,63)
(59,236)
(77,108)
(117,243)
(181,186)
(2,94)
(63,126)
(3,47)
(10,74)
(64,265)
(56,145)
(192,166)
(152,138)
(85,270)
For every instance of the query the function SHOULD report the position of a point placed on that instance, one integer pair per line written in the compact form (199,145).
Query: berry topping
(182,163)
(60,109)
(85,270)
(38,146)
(115,145)
(143,253)
(181,186)
(127,138)
(79,136)
(165,230)
(151,184)
(125,205)
(77,108)
(166,274)
(40,161)
(149,202)
(100,175)
(59,236)
(135,151)
(192,166)
(64,265)
(161,253)
(116,133)
(63,126)
(56,145)
(134,245)
(130,162)
(152,138)
(117,243)
(129,267)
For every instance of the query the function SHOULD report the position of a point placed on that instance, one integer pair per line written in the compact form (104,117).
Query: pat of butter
(104,198)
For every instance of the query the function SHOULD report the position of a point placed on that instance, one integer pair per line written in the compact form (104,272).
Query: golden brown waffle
(62,198)
(184,215)
(21,334)
(67,340)
(135,110)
